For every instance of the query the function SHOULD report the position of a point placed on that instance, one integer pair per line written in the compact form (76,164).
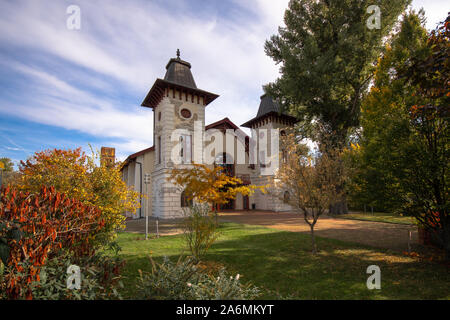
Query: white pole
(157,227)
(146,213)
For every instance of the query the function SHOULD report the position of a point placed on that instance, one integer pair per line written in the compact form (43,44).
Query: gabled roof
(135,155)
(225,123)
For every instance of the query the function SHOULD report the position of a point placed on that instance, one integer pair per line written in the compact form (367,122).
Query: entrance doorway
(246,204)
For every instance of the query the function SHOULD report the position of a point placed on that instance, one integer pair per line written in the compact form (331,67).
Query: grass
(378,217)
(279,261)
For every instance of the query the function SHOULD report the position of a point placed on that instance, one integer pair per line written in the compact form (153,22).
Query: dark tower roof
(178,78)
(267,105)
(269,108)
(179,72)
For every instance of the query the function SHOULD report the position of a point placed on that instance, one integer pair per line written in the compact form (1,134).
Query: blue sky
(68,88)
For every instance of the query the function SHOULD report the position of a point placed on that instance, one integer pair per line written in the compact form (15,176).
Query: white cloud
(124,46)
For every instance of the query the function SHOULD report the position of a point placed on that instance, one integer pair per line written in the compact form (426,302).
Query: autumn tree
(208,187)
(82,177)
(310,180)
(404,150)
(326,52)
(385,120)
(7,173)
(424,161)
(8,165)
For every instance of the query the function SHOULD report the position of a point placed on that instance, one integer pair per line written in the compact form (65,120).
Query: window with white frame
(186,148)
(159,150)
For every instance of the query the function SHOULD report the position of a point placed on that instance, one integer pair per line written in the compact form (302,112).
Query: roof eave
(156,93)
(249,123)
(135,155)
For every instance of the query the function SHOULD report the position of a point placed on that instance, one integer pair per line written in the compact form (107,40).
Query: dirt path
(377,234)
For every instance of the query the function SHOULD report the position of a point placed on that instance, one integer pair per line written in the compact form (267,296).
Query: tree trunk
(339,207)
(446,241)
(313,240)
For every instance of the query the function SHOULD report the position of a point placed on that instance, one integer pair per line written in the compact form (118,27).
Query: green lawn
(281,261)
(378,217)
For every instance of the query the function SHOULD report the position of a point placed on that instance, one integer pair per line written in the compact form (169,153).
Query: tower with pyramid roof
(270,117)
(177,104)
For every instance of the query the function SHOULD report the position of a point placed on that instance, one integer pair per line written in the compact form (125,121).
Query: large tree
(424,162)
(385,120)
(327,50)
(404,151)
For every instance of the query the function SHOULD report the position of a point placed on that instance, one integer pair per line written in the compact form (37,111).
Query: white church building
(179,107)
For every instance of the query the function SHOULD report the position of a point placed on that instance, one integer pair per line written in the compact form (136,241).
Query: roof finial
(178,53)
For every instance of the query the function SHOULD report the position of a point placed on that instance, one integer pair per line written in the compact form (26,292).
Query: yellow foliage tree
(210,185)
(206,186)
(312,183)
(84,178)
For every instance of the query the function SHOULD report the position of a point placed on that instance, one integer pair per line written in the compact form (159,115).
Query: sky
(63,88)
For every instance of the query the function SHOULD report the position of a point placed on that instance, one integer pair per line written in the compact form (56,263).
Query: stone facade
(179,106)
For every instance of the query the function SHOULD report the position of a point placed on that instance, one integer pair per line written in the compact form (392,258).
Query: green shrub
(222,287)
(184,281)
(96,281)
(99,279)
(200,229)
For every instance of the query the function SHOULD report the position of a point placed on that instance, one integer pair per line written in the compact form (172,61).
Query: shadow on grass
(282,261)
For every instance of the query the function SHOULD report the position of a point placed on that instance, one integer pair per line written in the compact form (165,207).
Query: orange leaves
(46,223)
(77,176)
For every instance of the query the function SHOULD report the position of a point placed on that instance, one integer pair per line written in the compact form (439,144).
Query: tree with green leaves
(6,171)
(385,120)
(326,52)
(403,157)
(424,161)
(8,165)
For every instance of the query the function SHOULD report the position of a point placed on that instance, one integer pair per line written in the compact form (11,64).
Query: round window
(185,113)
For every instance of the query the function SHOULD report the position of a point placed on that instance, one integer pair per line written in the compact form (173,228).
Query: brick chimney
(107,156)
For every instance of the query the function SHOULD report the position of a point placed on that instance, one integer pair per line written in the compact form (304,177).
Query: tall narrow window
(186,148)
(284,156)
(262,159)
(286,197)
(185,201)
(159,149)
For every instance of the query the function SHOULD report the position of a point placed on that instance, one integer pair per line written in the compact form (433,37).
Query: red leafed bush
(36,227)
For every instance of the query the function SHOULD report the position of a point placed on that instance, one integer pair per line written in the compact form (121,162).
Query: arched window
(286,196)
(185,201)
